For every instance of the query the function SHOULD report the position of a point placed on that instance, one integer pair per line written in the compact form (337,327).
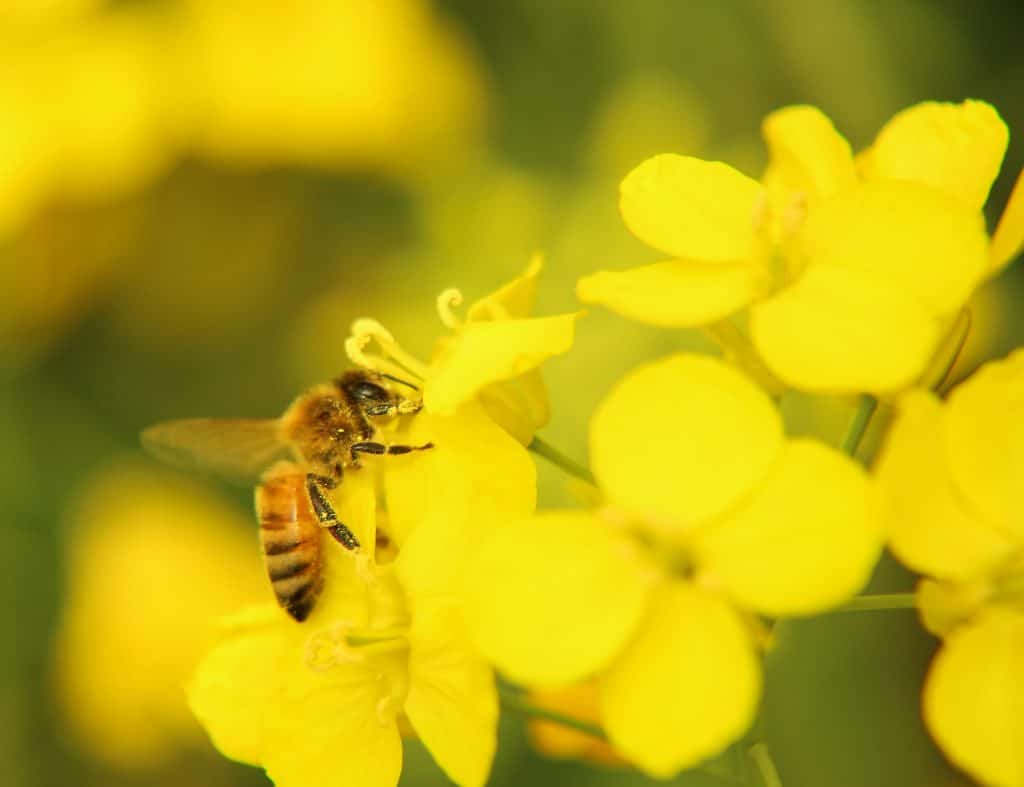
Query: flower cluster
(651,606)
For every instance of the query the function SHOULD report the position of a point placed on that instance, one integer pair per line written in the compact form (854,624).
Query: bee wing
(236,449)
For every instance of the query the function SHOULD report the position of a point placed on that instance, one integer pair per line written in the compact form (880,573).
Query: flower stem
(880,601)
(765,765)
(513,701)
(737,348)
(556,457)
(859,424)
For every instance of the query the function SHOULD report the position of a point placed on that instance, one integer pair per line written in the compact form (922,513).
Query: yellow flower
(952,476)
(327,700)
(853,269)
(493,355)
(711,516)
(153,563)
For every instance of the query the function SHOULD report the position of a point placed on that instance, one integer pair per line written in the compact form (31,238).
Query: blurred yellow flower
(579,701)
(364,83)
(153,562)
(853,269)
(951,472)
(98,101)
(382,651)
(711,516)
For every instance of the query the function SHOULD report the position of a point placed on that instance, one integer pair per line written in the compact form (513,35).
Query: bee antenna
(399,380)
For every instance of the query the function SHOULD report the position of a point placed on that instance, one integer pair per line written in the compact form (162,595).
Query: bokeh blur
(197,197)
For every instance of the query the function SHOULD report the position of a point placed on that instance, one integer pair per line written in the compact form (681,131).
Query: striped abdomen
(290,536)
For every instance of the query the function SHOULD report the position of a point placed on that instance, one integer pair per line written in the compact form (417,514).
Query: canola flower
(853,269)
(952,475)
(153,563)
(711,518)
(385,649)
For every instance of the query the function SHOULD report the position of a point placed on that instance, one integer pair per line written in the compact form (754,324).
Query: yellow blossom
(579,701)
(326,700)
(153,563)
(711,516)
(493,355)
(951,472)
(853,269)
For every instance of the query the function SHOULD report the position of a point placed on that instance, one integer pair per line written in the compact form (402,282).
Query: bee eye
(364,391)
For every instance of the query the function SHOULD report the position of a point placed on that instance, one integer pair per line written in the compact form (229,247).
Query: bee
(298,458)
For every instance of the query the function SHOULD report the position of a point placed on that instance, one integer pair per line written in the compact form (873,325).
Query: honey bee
(298,459)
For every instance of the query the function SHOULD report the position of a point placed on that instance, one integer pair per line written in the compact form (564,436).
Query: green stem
(556,457)
(859,424)
(880,601)
(512,700)
(737,348)
(765,765)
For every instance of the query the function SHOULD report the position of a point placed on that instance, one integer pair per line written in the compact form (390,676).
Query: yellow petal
(677,293)
(512,300)
(239,683)
(686,207)
(1008,239)
(917,239)
(974,698)
(807,540)
(486,352)
(954,147)
(520,405)
(481,468)
(452,701)
(687,685)
(929,527)
(681,439)
(331,721)
(943,606)
(806,152)
(839,330)
(985,442)
(552,599)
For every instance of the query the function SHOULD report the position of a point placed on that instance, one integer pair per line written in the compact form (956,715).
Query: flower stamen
(394,360)
(446,303)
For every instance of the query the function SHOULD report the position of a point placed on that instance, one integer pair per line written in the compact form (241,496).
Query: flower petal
(330,721)
(452,701)
(686,207)
(513,300)
(481,468)
(807,540)
(974,698)
(806,152)
(918,239)
(678,293)
(486,352)
(930,529)
(985,442)
(552,599)
(679,440)
(840,330)
(239,683)
(954,147)
(1008,239)
(687,685)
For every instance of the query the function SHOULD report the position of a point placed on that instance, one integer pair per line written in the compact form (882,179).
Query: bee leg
(325,512)
(404,407)
(380,448)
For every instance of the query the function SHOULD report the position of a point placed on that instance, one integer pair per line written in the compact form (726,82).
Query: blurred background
(197,197)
